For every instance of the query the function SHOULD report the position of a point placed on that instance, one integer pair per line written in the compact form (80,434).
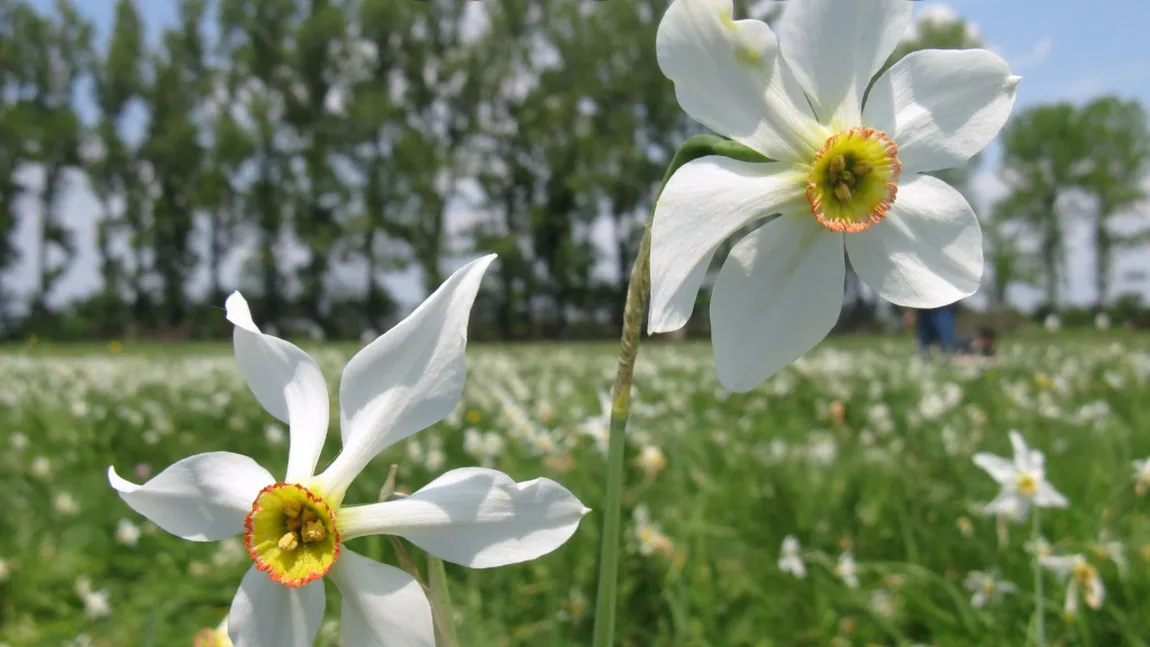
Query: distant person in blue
(937,326)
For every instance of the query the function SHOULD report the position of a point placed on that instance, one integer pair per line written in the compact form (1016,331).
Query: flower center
(1084,572)
(853,179)
(1027,484)
(291,534)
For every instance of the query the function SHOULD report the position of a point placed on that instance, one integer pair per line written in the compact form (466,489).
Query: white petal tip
(1013,80)
(118,483)
(236,310)
(584,511)
(667,322)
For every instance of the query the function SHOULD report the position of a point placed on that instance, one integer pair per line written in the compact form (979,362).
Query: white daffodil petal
(475,517)
(835,48)
(408,379)
(778,295)
(704,203)
(268,614)
(728,75)
(200,498)
(1048,497)
(1096,593)
(287,382)
(942,106)
(382,606)
(1000,469)
(1023,456)
(926,253)
(1061,564)
(1008,503)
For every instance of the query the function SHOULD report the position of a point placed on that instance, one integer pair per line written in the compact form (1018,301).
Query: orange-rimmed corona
(291,534)
(853,179)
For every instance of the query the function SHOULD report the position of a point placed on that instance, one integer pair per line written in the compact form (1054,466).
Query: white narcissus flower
(294,528)
(987,588)
(1023,481)
(1083,578)
(847,570)
(844,172)
(790,561)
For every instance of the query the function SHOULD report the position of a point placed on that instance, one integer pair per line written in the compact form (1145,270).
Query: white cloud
(1037,55)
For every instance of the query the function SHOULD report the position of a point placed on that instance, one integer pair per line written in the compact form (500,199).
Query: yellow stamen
(288,542)
(291,534)
(1027,484)
(313,532)
(853,179)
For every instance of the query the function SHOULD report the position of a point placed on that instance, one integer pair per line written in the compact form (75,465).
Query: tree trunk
(1102,250)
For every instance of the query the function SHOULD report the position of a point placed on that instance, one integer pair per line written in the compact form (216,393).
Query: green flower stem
(1039,601)
(634,310)
(441,608)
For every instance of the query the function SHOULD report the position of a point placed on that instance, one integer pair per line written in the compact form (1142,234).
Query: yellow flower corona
(853,180)
(291,534)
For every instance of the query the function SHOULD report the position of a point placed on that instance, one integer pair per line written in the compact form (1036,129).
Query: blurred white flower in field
(651,460)
(1083,578)
(987,588)
(127,533)
(1102,321)
(844,175)
(847,570)
(1111,549)
(65,503)
(598,427)
(1142,476)
(41,467)
(483,446)
(790,561)
(1039,547)
(647,535)
(273,434)
(294,529)
(18,441)
(97,604)
(1023,480)
(883,603)
(3,570)
(1052,322)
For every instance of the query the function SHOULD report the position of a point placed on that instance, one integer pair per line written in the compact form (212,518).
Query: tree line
(384,136)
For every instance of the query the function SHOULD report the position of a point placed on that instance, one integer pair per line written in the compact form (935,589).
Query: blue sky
(1064,50)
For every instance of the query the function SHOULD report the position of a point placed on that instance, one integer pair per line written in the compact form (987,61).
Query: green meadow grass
(861,446)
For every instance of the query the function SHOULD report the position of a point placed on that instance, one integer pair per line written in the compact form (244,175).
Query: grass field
(860,449)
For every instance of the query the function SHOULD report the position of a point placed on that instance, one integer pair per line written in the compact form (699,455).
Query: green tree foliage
(326,144)
(1119,163)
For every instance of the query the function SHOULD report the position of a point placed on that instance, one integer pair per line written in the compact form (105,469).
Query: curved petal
(1060,564)
(835,48)
(200,498)
(287,382)
(1048,497)
(728,75)
(942,106)
(408,379)
(1023,456)
(704,203)
(778,295)
(268,614)
(1000,469)
(1008,504)
(382,605)
(927,252)
(476,517)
